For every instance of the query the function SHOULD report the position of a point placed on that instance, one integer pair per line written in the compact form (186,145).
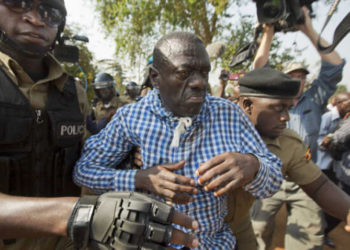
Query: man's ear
(154,76)
(247,105)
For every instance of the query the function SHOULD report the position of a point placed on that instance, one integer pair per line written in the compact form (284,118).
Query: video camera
(283,14)
(68,53)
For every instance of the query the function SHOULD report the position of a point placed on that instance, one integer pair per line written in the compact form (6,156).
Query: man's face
(183,79)
(26,28)
(343,103)
(105,94)
(269,116)
(300,75)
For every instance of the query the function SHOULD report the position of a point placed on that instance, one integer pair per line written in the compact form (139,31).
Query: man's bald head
(173,44)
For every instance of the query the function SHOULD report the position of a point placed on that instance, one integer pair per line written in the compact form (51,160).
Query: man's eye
(183,74)
(278,108)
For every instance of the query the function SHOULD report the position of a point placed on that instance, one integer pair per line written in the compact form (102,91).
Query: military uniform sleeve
(299,167)
(268,179)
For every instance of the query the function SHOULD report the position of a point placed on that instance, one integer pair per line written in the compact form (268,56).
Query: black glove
(123,220)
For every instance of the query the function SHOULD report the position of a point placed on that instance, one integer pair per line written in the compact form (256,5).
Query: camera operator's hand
(124,220)
(305,27)
(224,76)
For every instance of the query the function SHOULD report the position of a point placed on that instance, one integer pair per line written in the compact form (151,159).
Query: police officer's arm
(262,55)
(329,197)
(146,220)
(23,217)
(307,28)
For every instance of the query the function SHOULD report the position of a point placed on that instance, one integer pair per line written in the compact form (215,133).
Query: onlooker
(195,147)
(338,144)
(330,122)
(266,96)
(305,224)
(43,112)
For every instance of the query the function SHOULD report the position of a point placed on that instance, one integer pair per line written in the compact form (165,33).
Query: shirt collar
(56,73)
(335,114)
(158,108)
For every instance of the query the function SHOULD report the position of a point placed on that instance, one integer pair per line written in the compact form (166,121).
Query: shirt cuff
(254,185)
(125,180)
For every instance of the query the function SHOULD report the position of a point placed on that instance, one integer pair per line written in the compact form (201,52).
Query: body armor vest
(38,148)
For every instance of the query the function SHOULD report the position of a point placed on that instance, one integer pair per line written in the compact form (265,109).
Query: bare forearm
(329,197)
(332,57)
(28,217)
(262,55)
(221,91)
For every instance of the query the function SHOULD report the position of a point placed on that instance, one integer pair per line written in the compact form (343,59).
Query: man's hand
(109,115)
(227,171)
(124,220)
(224,77)
(347,226)
(137,158)
(162,181)
(305,27)
(326,142)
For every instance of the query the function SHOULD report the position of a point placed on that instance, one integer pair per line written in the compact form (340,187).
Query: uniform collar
(272,141)
(56,74)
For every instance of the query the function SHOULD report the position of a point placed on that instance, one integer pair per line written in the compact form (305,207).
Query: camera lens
(271,10)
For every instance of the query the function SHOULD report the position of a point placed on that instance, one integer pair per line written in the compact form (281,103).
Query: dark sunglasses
(49,14)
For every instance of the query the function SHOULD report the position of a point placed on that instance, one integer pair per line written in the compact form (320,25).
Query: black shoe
(327,241)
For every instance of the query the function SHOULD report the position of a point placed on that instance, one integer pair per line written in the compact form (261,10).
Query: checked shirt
(220,127)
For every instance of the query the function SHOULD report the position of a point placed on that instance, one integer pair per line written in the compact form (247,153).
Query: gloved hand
(121,220)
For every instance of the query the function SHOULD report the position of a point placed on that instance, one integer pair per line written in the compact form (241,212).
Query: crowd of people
(170,164)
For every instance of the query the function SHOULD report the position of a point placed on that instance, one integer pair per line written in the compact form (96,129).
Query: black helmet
(104,86)
(103,80)
(132,89)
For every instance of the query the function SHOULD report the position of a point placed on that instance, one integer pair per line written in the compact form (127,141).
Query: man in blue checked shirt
(195,147)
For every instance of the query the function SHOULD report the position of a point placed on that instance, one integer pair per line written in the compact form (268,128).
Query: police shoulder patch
(308,154)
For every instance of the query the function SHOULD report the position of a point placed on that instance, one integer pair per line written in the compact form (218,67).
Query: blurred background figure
(146,84)
(132,92)
(105,104)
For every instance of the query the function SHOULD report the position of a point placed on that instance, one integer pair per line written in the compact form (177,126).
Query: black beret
(268,82)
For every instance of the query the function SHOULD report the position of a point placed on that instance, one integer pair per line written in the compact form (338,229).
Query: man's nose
(285,115)
(199,80)
(32,16)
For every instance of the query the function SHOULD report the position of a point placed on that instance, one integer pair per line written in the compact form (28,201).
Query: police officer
(266,96)
(42,114)
(105,104)
(132,92)
(108,100)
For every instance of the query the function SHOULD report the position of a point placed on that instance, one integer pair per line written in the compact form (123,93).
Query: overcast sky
(81,13)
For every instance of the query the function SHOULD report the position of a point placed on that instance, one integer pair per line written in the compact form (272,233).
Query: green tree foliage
(137,24)
(85,62)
